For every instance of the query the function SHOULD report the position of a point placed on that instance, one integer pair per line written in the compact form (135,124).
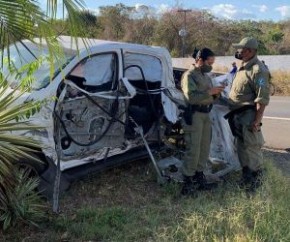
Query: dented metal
(91,99)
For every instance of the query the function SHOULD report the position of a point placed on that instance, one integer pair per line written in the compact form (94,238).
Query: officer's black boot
(257,180)
(203,184)
(188,187)
(246,179)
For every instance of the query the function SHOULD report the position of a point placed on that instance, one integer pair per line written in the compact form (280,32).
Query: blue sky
(275,10)
(240,9)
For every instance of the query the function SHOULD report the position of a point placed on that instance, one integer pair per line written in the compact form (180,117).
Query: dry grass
(220,69)
(281,81)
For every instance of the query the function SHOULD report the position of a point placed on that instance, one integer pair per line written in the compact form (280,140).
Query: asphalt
(276,123)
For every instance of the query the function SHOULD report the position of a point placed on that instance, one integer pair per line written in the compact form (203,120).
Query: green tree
(90,24)
(113,20)
(273,38)
(167,31)
(284,47)
(141,30)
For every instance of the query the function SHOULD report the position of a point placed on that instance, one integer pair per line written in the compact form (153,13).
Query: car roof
(73,44)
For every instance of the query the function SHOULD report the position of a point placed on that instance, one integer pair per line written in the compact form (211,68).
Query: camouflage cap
(247,42)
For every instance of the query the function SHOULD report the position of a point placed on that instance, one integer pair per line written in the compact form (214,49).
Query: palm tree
(18,201)
(24,19)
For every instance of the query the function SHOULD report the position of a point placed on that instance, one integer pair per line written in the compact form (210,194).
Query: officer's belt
(239,110)
(236,129)
(201,108)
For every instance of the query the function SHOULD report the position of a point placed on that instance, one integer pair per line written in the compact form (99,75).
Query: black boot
(246,179)
(257,180)
(251,180)
(188,187)
(203,184)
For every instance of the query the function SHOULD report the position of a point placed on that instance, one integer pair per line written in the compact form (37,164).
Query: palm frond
(18,140)
(18,20)
(17,113)
(20,126)
(21,203)
(22,19)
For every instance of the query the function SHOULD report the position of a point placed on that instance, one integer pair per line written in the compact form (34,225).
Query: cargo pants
(249,144)
(197,141)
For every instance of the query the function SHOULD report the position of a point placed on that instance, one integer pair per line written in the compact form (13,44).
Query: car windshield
(20,56)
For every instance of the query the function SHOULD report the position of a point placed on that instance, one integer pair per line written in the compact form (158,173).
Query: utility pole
(183,31)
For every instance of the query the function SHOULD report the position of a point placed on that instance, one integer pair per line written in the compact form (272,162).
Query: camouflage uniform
(250,86)
(195,86)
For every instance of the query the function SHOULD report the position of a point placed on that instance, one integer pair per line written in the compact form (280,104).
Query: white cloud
(230,11)
(151,10)
(284,11)
(141,7)
(162,8)
(262,8)
(95,11)
(224,10)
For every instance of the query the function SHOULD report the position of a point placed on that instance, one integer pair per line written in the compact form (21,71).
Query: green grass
(127,205)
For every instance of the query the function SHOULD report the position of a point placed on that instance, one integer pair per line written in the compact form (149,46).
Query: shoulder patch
(261,82)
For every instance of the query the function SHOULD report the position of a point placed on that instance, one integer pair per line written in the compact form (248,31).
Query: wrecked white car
(106,105)
(111,103)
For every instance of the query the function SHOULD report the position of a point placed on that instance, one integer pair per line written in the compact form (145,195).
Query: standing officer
(199,94)
(248,98)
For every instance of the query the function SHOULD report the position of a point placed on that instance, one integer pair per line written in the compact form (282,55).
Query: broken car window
(98,71)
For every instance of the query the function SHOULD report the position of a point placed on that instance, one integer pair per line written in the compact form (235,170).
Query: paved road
(276,123)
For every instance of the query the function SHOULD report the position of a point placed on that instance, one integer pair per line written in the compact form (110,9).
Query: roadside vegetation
(18,200)
(126,204)
(19,20)
(281,81)
(144,26)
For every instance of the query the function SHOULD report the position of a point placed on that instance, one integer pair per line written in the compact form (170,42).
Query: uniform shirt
(250,85)
(195,86)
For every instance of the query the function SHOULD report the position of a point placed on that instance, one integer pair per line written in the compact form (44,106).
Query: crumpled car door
(89,113)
